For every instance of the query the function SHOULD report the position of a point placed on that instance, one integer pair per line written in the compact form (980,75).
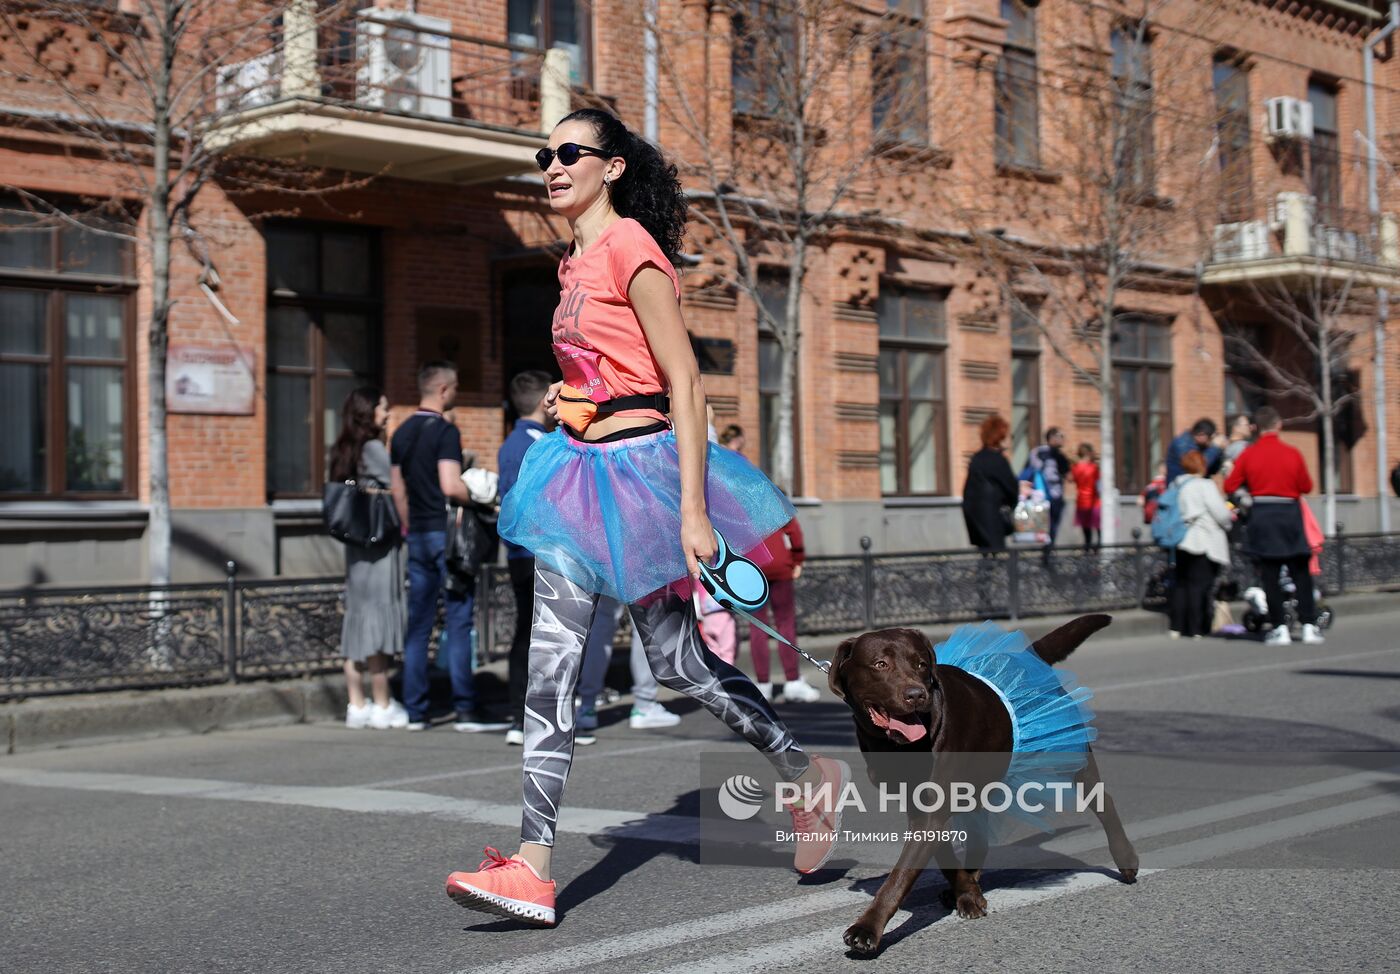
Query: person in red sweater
(1086,498)
(1276,476)
(781,561)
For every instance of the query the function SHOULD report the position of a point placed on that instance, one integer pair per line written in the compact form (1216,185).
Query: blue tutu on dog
(607,517)
(1051,723)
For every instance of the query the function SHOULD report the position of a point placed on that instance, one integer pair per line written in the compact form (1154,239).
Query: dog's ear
(834,680)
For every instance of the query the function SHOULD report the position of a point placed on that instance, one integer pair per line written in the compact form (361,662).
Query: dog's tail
(1056,646)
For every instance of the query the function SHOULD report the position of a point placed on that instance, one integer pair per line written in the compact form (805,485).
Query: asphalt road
(314,848)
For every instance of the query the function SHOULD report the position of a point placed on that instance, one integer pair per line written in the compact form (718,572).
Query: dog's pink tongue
(910,732)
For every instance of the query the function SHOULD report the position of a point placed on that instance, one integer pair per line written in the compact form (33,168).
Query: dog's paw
(862,937)
(1129,875)
(971,904)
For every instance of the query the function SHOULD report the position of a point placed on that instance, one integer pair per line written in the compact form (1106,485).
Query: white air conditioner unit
(1289,118)
(405,62)
(1241,241)
(249,83)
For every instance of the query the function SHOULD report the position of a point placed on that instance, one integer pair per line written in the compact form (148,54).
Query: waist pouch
(577,410)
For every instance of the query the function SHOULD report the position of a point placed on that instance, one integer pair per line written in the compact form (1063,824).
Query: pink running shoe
(505,887)
(818,826)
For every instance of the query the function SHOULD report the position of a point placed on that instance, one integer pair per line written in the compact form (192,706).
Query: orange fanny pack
(577,410)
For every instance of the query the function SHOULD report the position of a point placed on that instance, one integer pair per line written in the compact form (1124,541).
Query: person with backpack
(1199,514)
(426,456)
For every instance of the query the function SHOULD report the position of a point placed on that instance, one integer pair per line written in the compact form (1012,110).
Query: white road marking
(581,756)
(1239,671)
(793,951)
(586,821)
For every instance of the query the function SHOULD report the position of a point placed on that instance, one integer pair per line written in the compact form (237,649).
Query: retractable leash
(738,585)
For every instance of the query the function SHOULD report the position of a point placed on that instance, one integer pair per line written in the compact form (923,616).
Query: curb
(100,718)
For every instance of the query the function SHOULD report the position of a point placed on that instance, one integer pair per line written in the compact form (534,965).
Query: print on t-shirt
(577,359)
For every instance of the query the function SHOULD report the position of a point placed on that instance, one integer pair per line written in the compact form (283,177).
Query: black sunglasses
(568,153)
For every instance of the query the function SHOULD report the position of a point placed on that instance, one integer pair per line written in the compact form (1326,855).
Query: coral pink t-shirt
(598,341)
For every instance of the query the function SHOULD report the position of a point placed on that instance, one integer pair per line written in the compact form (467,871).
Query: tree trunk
(784,449)
(1108,452)
(1329,438)
(158,529)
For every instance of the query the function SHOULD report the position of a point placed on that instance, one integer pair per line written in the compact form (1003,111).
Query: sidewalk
(95,718)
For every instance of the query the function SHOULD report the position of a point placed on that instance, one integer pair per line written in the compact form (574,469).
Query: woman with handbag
(991,491)
(374,594)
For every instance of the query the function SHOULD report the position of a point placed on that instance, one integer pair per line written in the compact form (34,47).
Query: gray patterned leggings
(678,658)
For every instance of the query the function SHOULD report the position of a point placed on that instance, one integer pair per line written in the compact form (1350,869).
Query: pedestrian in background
(732,438)
(1277,478)
(647,713)
(1046,470)
(527,392)
(1241,436)
(426,455)
(1086,494)
(781,561)
(1201,437)
(990,491)
(1152,492)
(373,630)
(1203,551)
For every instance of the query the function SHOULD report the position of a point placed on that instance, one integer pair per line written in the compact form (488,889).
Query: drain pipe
(651,125)
(1382,294)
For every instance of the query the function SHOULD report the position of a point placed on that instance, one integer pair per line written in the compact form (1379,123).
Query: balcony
(402,96)
(1291,241)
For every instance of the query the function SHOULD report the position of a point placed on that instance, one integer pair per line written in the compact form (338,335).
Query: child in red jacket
(1086,502)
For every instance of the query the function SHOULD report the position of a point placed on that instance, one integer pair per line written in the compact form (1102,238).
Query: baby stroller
(1256,616)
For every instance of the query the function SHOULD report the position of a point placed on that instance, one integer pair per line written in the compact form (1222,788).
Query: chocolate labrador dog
(906,704)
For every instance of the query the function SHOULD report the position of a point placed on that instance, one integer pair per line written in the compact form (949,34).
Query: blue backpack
(1168,527)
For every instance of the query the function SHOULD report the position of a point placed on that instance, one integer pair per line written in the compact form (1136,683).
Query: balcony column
(1297,225)
(301,77)
(554,88)
(1390,239)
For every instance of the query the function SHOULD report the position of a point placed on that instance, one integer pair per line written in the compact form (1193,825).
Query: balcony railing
(392,92)
(1292,236)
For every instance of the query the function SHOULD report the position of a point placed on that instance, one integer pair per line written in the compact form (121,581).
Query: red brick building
(910,338)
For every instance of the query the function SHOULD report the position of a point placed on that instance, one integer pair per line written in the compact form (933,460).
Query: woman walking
(374,599)
(1085,474)
(991,490)
(1202,552)
(624,502)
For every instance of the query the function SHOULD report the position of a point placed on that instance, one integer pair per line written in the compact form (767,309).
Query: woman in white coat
(1202,552)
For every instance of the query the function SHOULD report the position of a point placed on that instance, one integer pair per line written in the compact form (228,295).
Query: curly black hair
(649,189)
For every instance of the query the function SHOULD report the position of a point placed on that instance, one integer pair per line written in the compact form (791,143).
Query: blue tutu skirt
(606,516)
(1051,723)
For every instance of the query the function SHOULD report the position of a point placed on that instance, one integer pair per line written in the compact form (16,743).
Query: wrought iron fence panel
(289,627)
(499,595)
(1080,581)
(1371,561)
(59,641)
(939,587)
(830,595)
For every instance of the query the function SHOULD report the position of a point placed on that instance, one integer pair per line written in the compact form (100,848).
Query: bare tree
(143,87)
(781,152)
(1106,191)
(1316,310)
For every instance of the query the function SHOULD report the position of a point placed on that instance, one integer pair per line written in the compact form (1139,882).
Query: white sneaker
(1173,634)
(358,718)
(1311,634)
(392,717)
(515,736)
(648,716)
(799,691)
(766,689)
(1278,636)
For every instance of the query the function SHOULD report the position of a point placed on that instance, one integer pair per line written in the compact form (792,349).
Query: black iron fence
(65,640)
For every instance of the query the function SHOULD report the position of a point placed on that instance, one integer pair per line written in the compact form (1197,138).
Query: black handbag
(360,514)
(469,543)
